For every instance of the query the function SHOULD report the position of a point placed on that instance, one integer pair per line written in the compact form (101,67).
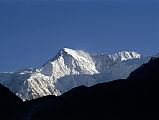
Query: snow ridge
(121,56)
(68,69)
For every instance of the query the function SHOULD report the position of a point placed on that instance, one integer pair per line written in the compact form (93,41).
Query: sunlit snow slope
(68,69)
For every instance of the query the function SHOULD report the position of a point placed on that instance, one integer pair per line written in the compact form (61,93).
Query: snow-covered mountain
(71,68)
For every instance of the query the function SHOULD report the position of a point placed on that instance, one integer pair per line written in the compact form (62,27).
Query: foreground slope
(10,105)
(134,98)
(68,69)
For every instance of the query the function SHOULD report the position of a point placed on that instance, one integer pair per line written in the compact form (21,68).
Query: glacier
(71,68)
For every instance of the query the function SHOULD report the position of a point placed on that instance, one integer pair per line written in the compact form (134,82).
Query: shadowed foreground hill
(135,98)
(10,105)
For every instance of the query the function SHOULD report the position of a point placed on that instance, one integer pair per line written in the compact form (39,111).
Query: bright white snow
(68,69)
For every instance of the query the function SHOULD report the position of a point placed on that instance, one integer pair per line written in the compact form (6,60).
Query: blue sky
(31,32)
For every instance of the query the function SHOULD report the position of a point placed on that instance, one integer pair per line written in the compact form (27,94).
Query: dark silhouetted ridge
(10,104)
(130,99)
(134,98)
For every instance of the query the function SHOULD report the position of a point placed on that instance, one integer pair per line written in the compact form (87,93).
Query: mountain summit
(71,68)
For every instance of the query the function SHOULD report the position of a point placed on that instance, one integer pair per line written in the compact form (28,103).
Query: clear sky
(31,32)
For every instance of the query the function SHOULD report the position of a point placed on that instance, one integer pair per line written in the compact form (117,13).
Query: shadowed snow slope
(68,69)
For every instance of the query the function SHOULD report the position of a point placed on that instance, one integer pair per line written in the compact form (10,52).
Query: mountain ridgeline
(69,69)
(134,98)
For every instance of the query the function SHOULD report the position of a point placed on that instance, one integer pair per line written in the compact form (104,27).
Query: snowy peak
(69,61)
(68,51)
(68,69)
(76,54)
(125,55)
